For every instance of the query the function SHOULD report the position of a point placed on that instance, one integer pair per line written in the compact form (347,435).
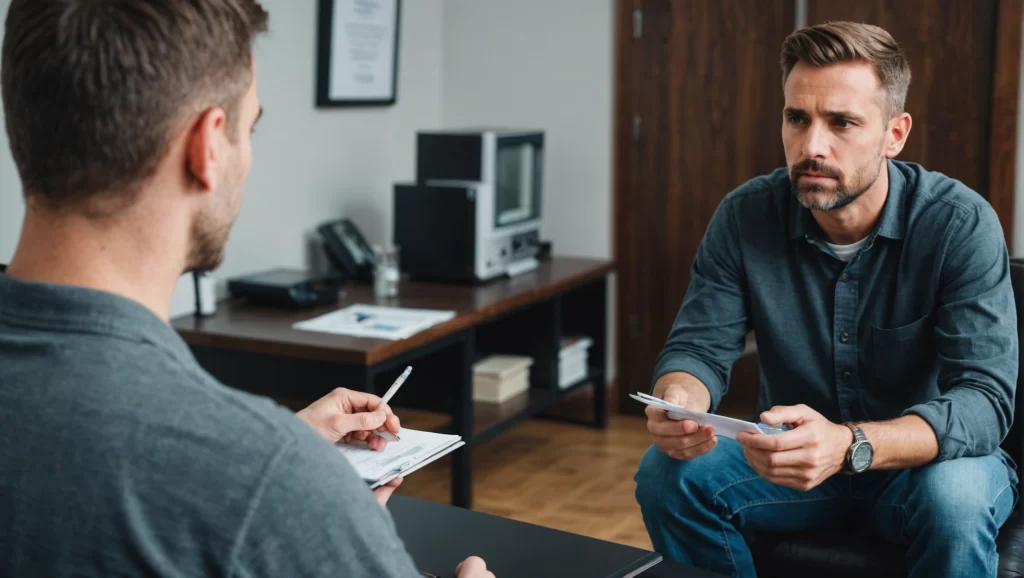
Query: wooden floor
(573,478)
(570,477)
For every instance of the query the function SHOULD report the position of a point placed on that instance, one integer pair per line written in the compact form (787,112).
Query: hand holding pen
(345,415)
(387,431)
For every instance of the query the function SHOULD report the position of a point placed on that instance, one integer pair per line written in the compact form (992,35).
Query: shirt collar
(890,224)
(894,214)
(48,306)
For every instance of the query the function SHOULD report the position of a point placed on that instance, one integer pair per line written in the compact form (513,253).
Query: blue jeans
(947,513)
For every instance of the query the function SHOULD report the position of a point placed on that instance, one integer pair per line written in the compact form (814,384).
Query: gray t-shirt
(120,456)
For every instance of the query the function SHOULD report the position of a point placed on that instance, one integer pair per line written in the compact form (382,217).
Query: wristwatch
(860,454)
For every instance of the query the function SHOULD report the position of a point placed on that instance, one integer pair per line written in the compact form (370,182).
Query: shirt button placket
(844,344)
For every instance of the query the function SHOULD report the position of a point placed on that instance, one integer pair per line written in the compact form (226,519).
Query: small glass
(385,271)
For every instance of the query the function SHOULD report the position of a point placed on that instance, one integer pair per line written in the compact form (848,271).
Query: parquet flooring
(564,476)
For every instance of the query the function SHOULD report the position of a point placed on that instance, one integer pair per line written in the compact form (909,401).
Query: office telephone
(347,249)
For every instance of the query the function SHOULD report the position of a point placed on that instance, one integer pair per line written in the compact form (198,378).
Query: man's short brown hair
(93,90)
(835,42)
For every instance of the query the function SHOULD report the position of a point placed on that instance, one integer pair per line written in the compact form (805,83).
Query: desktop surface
(242,326)
(440,536)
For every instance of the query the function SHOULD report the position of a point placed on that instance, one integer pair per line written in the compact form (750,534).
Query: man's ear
(203,153)
(898,131)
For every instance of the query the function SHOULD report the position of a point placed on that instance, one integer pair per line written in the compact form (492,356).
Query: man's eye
(795,119)
(843,123)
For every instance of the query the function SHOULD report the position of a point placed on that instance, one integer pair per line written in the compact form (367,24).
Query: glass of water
(385,271)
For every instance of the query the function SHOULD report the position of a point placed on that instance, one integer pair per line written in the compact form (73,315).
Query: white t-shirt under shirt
(846,253)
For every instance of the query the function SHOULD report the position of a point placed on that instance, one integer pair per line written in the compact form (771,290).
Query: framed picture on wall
(357,53)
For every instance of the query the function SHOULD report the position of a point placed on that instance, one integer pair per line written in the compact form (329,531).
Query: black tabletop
(440,536)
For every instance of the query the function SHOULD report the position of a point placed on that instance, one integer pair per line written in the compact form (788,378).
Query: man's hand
(802,458)
(684,439)
(344,415)
(472,567)
(384,492)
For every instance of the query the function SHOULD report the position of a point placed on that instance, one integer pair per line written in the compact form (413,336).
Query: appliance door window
(517,175)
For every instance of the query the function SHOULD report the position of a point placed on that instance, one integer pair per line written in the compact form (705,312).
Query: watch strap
(858,434)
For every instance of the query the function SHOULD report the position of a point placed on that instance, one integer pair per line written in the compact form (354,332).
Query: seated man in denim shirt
(880,296)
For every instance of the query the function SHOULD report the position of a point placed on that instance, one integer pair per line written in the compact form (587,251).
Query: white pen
(394,386)
(387,397)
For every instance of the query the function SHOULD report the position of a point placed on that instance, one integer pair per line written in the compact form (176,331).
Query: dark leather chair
(860,554)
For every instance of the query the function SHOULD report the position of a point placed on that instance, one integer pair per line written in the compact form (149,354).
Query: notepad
(415,450)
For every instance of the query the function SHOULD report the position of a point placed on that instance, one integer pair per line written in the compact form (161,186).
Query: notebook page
(415,447)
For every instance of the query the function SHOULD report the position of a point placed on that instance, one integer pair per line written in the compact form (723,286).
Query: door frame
(622,176)
(1006,97)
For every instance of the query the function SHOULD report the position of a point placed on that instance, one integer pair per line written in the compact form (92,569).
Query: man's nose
(816,142)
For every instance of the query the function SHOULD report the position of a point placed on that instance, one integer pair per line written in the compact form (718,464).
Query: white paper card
(724,426)
(375,322)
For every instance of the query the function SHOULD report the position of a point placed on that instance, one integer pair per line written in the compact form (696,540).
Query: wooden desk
(255,348)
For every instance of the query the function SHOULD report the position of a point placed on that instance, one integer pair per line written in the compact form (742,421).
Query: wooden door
(699,101)
(965,64)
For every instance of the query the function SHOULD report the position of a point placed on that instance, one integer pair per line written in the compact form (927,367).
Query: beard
(842,193)
(209,237)
(211,227)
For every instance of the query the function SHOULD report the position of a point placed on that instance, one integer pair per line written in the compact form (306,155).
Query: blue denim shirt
(921,321)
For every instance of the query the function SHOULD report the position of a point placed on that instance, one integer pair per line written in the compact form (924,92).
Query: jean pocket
(901,357)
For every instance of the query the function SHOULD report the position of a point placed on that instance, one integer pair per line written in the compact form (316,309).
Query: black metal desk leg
(462,468)
(600,403)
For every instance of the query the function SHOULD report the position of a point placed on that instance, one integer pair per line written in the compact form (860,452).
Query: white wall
(518,63)
(310,164)
(315,164)
(11,208)
(542,64)
(547,65)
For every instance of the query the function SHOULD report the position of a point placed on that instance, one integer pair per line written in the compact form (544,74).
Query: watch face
(862,456)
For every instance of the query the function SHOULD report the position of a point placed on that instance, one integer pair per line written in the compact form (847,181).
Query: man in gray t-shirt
(121,456)
(130,125)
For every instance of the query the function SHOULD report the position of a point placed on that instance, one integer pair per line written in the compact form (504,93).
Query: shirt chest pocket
(899,358)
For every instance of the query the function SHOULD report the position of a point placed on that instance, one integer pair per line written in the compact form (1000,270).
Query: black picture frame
(325,41)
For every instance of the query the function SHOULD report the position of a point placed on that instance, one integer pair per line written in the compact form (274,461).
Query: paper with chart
(415,450)
(375,322)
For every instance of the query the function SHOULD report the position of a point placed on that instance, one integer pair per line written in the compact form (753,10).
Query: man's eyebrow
(847,114)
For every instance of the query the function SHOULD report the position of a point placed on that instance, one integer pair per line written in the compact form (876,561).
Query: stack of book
(500,377)
(572,360)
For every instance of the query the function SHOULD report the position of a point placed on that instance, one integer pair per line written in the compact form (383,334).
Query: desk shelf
(594,374)
(492,419)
